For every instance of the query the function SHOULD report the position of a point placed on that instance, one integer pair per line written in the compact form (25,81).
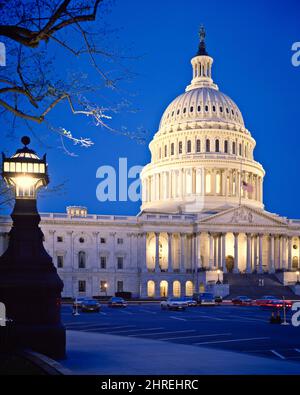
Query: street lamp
(105,287)
(218,272)
(30,287)
(298,282)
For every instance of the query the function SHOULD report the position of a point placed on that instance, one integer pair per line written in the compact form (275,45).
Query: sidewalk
(94,353)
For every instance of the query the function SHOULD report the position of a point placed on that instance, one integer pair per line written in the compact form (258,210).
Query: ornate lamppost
(30,287)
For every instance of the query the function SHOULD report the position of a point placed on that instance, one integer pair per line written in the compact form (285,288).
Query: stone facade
(202,212)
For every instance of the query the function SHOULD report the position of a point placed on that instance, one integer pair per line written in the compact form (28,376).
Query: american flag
(247,187)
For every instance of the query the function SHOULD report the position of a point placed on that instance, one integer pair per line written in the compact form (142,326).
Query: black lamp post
(30,287)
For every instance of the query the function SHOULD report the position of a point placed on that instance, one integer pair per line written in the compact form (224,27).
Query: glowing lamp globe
(25,171)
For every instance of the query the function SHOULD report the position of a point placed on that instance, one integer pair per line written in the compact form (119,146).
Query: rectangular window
(81,286)
(172,149)
(60,261)
(180,147)
(226,147)
(233,148)
(198,146)
(59,239)
(120,241)
(102,240)
(120,262)
(103,286)
(120,287)
(103,262)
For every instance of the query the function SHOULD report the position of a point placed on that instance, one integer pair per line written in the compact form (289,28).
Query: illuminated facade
(202,210)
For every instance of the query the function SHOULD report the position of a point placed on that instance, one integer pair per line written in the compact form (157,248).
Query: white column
(272,250)
(157,268)
(236,252)
(198,252)
(280,252)
(182,252)
(211,251)
(290,239)
(260,262)
(143,250)
(284,252)
(224,253)
(248,264)
(170,252)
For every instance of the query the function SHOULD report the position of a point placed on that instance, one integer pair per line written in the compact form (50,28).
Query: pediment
(245,215)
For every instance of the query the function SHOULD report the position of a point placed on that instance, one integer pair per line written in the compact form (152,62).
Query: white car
(174,304)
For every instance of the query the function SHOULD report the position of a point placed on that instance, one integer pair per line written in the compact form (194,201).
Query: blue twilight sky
(250,42)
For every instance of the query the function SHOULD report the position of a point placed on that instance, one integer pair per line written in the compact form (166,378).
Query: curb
(48,365)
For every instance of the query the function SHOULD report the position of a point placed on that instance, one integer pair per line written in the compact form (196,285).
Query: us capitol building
(202,212)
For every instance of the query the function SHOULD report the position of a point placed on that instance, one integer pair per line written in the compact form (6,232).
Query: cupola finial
(202,47)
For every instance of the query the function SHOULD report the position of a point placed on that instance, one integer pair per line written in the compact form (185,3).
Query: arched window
(214,108)
(176,289)
(240,149)
(151,289)
(221,109)
(180,147)
(226,147)
(206,108)
(178,111)
(81,260)
(207,145)
(198,145)
(199,108)
(189,147)
(217,145)
(163,289)
(166,150)
(172,149)
(184,110)
(189,288)
(191,109)
(233,147)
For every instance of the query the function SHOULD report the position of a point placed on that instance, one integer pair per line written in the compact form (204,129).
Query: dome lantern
(202,65)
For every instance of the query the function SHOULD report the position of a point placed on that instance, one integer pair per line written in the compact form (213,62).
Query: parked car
(90,305)
(206,299)
(174,304)
(190,301)
(78,302)
(116,302)
(273,302)
(218,299)
(242,301)
(265,300)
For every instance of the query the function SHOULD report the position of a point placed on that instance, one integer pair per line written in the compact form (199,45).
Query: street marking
(95,327)
(164,333)
(277,354)
(126,312)
(189,337)
(234,340)
(177,318)
(135,330)
(99,326)
(148,311)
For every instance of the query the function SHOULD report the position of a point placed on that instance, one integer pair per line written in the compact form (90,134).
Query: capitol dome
(202,154)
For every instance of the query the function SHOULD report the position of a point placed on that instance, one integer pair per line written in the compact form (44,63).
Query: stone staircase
(248,284)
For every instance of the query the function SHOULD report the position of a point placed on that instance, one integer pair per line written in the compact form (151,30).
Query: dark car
(242,301)
(218,299)
(266,300)
(116,302)
(190,301)
(90,305)
(204,299)
(273,302)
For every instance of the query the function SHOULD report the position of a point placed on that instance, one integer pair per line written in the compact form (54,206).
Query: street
(240,329)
